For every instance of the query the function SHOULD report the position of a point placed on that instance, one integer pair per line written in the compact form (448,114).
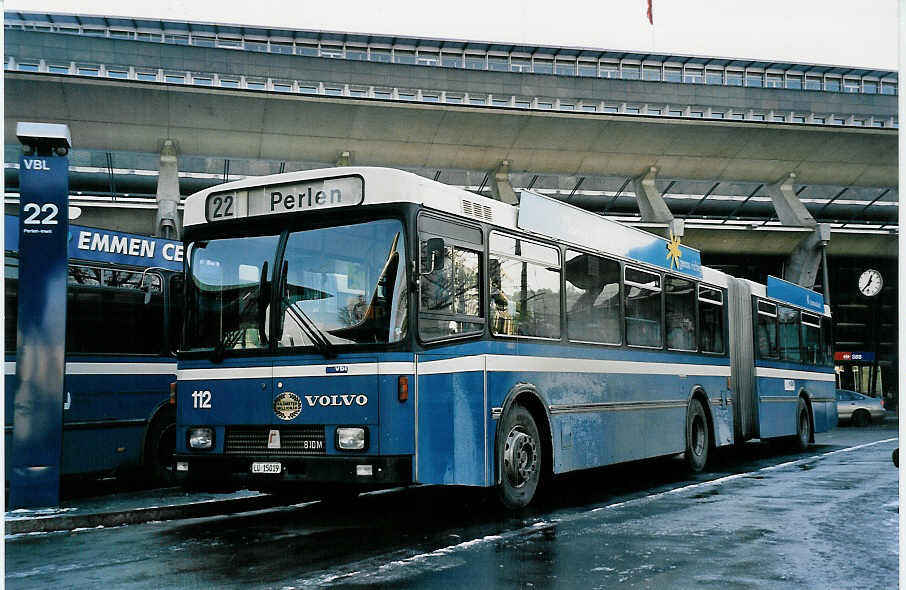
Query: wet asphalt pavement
(765,518)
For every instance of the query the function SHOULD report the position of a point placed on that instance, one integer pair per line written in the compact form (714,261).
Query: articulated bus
(357,328)
(120,350)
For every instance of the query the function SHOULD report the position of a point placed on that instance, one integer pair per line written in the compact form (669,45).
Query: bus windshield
(334,286)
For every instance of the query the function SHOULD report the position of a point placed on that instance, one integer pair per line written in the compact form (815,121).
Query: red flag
(650,13)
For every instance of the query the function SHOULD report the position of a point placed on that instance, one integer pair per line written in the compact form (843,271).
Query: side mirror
(435,253)
(150,286)
(147,288)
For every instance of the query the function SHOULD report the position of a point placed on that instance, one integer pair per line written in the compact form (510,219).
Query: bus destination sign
(285,198)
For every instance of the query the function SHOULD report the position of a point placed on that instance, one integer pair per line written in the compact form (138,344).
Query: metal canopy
(39,18)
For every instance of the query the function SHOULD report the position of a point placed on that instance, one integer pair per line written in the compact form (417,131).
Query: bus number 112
(201,399)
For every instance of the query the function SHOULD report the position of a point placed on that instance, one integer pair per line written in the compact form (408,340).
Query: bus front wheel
(697,437)
(518,458)
(160,444)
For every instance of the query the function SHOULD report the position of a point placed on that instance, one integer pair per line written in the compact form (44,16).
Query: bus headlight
(351,438)
(201,437)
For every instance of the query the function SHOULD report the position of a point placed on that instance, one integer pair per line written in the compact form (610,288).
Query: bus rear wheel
(698,439)
(803,426)
(518,458)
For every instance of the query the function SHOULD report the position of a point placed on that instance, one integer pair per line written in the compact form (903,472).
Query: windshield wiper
(315,334)
(229,339)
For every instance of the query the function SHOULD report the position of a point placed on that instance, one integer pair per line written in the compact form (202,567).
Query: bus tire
(160,444)
(803,426)
(698,437)
(519,458)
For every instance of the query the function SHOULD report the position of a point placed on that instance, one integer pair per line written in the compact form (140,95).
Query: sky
(837,32)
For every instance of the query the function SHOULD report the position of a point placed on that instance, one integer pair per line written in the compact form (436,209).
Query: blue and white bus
(368,327)
(120,349)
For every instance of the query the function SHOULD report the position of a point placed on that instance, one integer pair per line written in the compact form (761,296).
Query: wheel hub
(520,457)
(698,436)
(804,426)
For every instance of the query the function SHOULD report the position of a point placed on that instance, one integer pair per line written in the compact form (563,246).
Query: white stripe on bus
(473,363)
(463,364)
(226,373)
(108,368)
(515,363)
(788,374)
(573,365)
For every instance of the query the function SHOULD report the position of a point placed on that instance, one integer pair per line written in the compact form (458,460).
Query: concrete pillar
(167,222)
(501,187)
(652,206)
(806,258)
(344,158)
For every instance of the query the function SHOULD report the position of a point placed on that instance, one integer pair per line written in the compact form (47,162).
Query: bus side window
(525,289)
(679,302)
(766,330)
(449,292)
(711,319)
(812,347)
(111,317)
(827,342)
(592,298)
(788,323)
(643,308)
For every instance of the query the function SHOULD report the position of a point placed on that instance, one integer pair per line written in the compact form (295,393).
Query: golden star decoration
(673,251)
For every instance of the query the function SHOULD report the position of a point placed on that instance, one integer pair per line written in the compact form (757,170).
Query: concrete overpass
(136,116)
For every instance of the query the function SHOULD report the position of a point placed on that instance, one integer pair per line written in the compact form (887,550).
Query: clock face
(870,282)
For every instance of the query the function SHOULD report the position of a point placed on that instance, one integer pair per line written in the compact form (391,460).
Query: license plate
(266,468)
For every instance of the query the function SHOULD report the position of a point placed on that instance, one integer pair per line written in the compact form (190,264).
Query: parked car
(857,408)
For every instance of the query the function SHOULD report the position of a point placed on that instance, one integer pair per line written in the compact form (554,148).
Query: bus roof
(357,185)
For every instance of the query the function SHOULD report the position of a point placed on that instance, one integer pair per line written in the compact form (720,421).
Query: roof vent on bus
(476,210)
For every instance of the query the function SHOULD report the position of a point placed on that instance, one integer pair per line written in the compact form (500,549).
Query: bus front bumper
(229,471)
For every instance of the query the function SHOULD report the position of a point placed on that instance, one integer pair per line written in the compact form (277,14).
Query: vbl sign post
(39,394)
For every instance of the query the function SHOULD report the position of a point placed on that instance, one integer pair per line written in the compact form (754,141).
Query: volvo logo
(336,400)
(287,405)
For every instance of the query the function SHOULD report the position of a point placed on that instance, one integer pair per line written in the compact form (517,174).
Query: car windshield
(338,285)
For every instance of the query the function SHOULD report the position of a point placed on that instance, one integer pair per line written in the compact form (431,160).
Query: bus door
(742,361)
(452,440)
(452,416)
